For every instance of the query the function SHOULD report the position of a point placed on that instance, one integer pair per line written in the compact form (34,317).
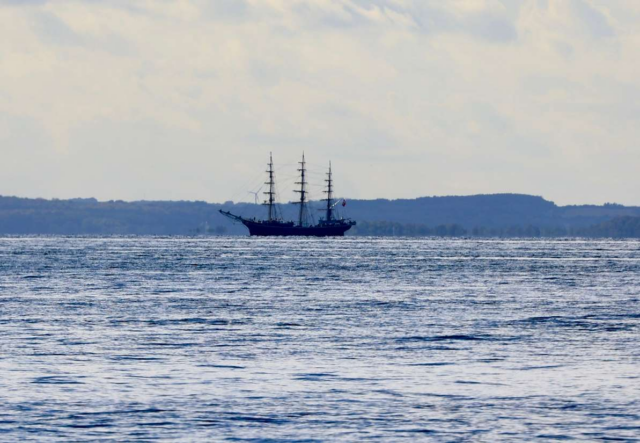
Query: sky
(184,99)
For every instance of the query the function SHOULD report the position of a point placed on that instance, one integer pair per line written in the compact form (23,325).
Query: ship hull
(264,230)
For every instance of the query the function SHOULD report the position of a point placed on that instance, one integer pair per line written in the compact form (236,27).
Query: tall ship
(274,225)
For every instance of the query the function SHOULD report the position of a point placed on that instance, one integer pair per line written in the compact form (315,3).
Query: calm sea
(203,339)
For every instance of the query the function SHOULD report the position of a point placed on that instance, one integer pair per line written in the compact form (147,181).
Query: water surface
(318,340)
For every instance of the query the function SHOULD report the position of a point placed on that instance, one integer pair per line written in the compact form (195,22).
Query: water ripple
(243,339)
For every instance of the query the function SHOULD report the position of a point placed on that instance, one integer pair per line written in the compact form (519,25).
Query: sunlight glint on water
(353,338)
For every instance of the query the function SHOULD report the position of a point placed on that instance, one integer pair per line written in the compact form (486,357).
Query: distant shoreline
(490,215)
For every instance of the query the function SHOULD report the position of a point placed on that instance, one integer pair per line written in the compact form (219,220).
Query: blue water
(204,339)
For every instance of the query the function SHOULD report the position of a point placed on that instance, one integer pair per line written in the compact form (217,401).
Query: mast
(329,193)
(271,193)
(302,191)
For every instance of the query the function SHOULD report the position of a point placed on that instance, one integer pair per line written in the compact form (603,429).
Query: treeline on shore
(500,215)
(619,227)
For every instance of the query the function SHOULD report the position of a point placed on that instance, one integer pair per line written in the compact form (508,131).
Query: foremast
(302,191)
(329,192)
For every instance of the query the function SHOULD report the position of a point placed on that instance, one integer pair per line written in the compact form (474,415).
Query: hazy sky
(125,99)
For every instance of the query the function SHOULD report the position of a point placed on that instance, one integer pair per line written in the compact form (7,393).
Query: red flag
(344,203)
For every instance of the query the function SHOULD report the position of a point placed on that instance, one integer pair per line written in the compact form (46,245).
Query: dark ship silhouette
(274,225)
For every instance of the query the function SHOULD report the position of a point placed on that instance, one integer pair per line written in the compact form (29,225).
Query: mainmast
(302,191)
(329,193)
(271,193)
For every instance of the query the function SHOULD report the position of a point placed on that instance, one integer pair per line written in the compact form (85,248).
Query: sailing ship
(274,225)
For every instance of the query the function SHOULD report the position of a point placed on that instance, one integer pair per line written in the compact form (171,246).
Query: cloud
(408,97)
(487,22)
(491,28)
(595,21)
(226,10)
(22,3)
(53,30)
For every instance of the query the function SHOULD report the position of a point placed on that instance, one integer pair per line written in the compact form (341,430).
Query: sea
(309,340)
